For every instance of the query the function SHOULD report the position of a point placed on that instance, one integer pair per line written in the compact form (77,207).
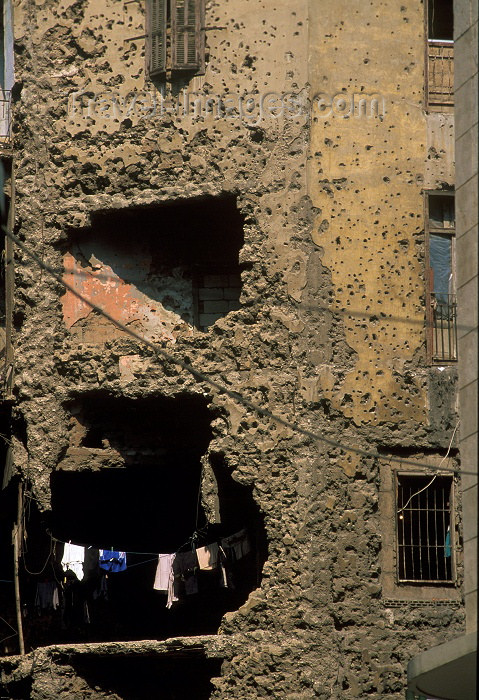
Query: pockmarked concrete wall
(369,165)
(330,332)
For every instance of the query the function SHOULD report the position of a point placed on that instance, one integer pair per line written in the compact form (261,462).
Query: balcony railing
(5,117)
(440,72)
(444,327)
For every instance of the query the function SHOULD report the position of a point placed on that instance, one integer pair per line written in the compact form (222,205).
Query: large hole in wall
(131,481)
(162,270)
(132,471)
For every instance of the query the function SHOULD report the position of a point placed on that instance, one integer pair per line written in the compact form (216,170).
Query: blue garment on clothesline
(112,561)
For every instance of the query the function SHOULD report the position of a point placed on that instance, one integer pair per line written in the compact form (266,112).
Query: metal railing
(440,72)
(444,327)
(5,117)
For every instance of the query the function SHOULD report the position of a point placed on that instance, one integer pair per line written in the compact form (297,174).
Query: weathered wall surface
(346,236)
(366,177)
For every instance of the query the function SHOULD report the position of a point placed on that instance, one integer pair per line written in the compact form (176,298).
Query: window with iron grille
(175,36)
(424,529)
(441,278)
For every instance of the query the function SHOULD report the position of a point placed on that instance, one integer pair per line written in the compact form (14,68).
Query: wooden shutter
(188,35)
(156,31)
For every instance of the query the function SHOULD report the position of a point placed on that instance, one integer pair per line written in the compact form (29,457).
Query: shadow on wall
(162,269)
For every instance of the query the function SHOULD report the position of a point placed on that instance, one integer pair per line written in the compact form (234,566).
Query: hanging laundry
(164,579)
(90,563)
(47,596)
(112,561)
(208,556)
(226,577)
(447,544)
(163,571)
(236,546)
(101,591)
(73,607)
(73,558)
(185,567)
(171,597)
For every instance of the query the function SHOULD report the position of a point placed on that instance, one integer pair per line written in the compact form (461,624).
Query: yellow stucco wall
(366,175)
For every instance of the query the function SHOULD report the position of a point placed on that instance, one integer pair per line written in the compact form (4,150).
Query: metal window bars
(444,327)
(5,117)
(425,552)
(440,72)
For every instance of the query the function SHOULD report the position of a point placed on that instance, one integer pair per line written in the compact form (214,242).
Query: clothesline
(190,540)
(89,546)
(177,574)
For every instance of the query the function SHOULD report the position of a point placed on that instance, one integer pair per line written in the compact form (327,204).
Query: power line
(374,316)
(435,475)
(219,388)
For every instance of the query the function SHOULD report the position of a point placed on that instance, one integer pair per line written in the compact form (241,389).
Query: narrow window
(440,53)
(175,34)
(187,35)
(156,35)
(441,293)
(424,529)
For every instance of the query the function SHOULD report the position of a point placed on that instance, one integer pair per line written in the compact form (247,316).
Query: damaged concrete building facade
(249,209)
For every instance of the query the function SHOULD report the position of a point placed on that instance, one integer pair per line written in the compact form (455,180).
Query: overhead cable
(219,388)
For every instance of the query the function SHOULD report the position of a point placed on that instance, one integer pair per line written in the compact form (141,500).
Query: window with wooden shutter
(157,11)
(187,35)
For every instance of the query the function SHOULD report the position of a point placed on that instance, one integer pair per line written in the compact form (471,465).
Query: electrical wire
(147,561)
(435,475)
(15,633)
(38,573)
(378,315)
(219,388)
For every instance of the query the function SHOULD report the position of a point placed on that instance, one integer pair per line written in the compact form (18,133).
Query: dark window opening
(440,15)
(442,307)
(425,529)
(440,54)
(141,492)
(163,270)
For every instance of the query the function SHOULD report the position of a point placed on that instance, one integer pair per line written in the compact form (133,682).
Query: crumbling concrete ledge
(211,646)
(232,662)
(43,672)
